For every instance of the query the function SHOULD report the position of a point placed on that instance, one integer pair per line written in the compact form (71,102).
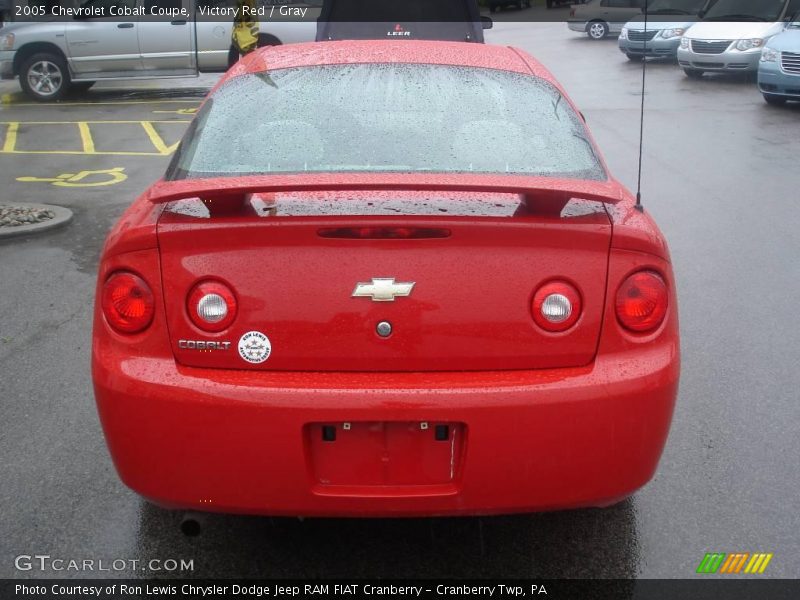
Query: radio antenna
(639,206)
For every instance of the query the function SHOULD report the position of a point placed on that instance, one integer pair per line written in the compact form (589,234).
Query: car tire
(267,40)
(634,57)
(693,73)
(81,86)
(774,99)
(44,77)
(597,30)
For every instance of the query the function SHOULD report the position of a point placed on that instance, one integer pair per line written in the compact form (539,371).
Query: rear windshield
(386,118)
(392,10)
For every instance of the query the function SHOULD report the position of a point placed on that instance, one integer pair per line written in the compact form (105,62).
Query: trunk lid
(305,279)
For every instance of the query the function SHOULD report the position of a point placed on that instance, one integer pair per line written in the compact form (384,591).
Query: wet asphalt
(721,177)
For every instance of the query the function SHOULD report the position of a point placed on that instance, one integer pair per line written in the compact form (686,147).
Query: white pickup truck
(52,57)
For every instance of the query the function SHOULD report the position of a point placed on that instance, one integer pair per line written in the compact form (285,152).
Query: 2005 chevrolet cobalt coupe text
(381,279)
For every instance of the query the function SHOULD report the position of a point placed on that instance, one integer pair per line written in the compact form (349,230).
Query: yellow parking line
(86,137)
(11,137)
(82,153)
(90,122)
(10,101)
(87,140)
(156,139)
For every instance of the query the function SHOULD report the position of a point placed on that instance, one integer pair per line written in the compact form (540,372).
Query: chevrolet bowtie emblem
(382,290)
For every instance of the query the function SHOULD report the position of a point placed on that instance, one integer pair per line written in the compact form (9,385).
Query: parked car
(667,21)
(779,68)
(53,57)
(520,4)
(552,3)
(393,292)
(731,34)
(450,20)
(599,18)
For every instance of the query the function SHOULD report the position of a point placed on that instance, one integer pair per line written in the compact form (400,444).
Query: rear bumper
(577,26)
(7,64)
(728,61)
(236,441)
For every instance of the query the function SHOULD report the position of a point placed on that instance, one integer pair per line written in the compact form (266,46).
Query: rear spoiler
(231,193)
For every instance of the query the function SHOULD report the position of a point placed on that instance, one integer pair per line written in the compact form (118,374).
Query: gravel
(16,216)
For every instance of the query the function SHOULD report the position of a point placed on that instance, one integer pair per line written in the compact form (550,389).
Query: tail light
(128,303)
(211,305)
(641,302)
(556,306)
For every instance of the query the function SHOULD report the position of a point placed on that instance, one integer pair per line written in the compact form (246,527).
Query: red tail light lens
(556,306)
(128,303)
(211,306)
(642,301)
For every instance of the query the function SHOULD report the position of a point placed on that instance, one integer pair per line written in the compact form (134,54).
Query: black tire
(44,77)
(693,73)
(597,30)
(774,100)
(267,40)
(80,86)
(634,57)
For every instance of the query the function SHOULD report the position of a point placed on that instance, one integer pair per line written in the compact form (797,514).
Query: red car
(386,278)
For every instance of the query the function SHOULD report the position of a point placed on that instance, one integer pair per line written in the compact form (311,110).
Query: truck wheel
(597,30)
(44,77)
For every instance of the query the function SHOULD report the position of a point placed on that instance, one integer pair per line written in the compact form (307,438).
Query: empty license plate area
(385,454)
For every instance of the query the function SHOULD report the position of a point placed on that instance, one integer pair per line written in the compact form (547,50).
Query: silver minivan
(731,35)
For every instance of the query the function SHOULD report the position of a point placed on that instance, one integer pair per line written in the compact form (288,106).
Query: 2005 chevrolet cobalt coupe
(381,279)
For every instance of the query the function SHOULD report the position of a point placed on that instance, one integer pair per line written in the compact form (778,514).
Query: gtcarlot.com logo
(45,562)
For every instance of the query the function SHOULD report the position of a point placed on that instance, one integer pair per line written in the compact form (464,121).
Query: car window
(386,117)
(763,10)
(392,10)
(686,7)
(793,10)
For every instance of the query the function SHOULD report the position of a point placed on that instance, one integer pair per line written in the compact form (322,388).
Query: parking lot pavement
(720,176)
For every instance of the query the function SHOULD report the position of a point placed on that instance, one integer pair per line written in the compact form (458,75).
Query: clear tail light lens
(211,306)
(556,306)
(641,302)
(128,303)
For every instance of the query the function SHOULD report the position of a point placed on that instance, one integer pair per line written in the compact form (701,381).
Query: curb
(63,216)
